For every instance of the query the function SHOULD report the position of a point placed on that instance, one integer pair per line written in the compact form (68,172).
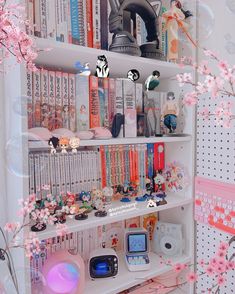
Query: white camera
(168,239)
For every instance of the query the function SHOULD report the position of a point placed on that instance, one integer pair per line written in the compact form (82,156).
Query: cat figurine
(102,69)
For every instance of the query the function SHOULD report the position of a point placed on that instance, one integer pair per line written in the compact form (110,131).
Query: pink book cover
(72,103)
(58,100)
(51,78)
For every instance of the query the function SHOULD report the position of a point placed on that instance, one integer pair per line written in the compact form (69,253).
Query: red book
(159,156)
(94,103)
(89,23)
(103,167)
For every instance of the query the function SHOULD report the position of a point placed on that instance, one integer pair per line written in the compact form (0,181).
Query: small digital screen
(137,243)
(101,268)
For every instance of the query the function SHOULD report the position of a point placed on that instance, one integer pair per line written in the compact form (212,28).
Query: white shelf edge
(35,145)
(174,200)
(128,279)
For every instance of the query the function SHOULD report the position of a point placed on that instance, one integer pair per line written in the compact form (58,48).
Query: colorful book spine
(51,19)
(130,126)
(65,99)
(51,77)
(119,105)
(72,103)
(104,24)
(58,100)
(69,25)
(44,99)
(110,35)
(89,24)
(43,18)
(74,22)
(106,102)
(163,33)
(37,19)
(96,24)
(159,156)
(30,17)
(82,103)
(112,98)
(30,103)
(64,22)
(82,22)
(94,103)
(101,101)
(36,99)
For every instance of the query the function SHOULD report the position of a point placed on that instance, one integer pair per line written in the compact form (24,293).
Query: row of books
(74,172)
(80,22)
(85,170)
(60,99)
(106,236)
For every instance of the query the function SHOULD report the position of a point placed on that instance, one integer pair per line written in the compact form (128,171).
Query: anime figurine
(175,20)
(64,144)
(159,195)
(81,215)
(108,194)
(85,197)
(102,69)
(53,142)
(148,188)
(74,144)
(96,198)
(151,204)
(71,198)
(126,193)
(101,209)
(84,70)
(60,215)
(133,75)
(170,112)
(152,81)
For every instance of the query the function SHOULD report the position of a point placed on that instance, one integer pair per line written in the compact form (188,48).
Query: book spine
(106,102)
(89,24)
(101,101)
(37,20)
(74,22)
(51,19)
(36,99)
(82,103)
(65,99)
(51,81)
(43,18)
(111,103)
(83,23)
(30,17)
(44,99)
(104,24)
(119,106)
(69,27)
(72,103)
(64,21)
(96,24)
(30,103)
(138,30)
(139,98)
(94,103)
(58,100)
(110,35)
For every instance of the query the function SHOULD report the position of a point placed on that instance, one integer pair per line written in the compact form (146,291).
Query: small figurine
(53,142)
(82,214)
(133,75)
(64,144)
(74,144)
(149,188)
(152,81)
(108,194)
(101,209)
(151,204)
(71,198)
(84,70)
(102,69)
(85,197)
(60,215)
(170,112)
(126,193)
(96,198)
(159,195)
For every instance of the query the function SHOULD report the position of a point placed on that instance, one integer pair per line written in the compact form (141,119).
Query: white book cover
(52,172)
(62,172)
(57,173)
(30,103)
(51,78)
(31,174)
(85,22)
(65,98)
(76,172)
(44,99)
(64,25)
(51,19)
(43,18)
(58,100)
(30,17)
(96,24)
(72,103)
(37,174)
(119,104)
(37,99)
(139,98)
(37,18)
(67,174)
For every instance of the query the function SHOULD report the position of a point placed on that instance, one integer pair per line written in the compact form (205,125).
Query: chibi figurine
(175,19)
(133,75)
(152,81)
(84,70)
(151,204)
(101,209)
(85,197)
(71,198)
(159,195)
(53,143)
(108,194)
(126,193)
(102,69)
(74,144)
(170,112)
(64,144)
(81,215)
(148,188)
(96,198)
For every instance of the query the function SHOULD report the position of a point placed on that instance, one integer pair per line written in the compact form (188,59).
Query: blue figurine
(84,70)
(152,81)
(126,193)
(170,112)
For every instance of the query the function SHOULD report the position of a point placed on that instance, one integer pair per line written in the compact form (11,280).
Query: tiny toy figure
(71,198)
(85,197)
(170,112)
(102,69)
(60,215)
(151,204)
(101,209)
(74,209)
(82,214)
(152,81)
(141,196)
(53,142)
(175,20)
(84,70)
(64,144)
(108,194)
(126,193)
(96,198)
(133,75)
(160,188)
(149,188)
(51,206)
(74,144)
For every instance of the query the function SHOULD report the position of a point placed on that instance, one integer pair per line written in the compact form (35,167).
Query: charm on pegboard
(152,81)
(133,75)
(102,68)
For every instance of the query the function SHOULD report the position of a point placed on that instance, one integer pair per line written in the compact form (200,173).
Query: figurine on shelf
(101,209)
(97,197)
(81,215)
(60,215)
(84,70)
(159,195)
(175,20)
(53,142)
(149,188)
(85,197)
(71,198)
(141,195)
(64,144)
(74,144)
(152,81)
(108,195)
(126,193)
(102,69)
(170,112)
(37,215)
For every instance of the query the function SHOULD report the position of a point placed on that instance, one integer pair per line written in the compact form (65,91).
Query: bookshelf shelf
(43,145)
(173,200)
(64,56)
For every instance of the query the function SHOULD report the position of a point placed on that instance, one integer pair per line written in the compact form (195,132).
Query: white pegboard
(208,240)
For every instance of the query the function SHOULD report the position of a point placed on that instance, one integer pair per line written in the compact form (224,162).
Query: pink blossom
(214,261)
(205,113)
(210,53)
(221,253)
(192,277)
(201,262)
(221,280)
(230,265)
(11,227)
(178,267)
(62,230)
(201,88)
(190,99)
(223,65)
(209,270)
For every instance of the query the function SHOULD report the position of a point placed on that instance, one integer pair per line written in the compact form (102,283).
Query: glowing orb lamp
(64,273)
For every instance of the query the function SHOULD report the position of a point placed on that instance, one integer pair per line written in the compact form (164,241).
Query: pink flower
(190,99)
(201,262)
(214,261)
(62,230)
(230,265)
(221,253)
(11,227)
(205,113)
(210,53)
(209,270)
(221,280)
(223,65)
(178,267)
(192,277)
